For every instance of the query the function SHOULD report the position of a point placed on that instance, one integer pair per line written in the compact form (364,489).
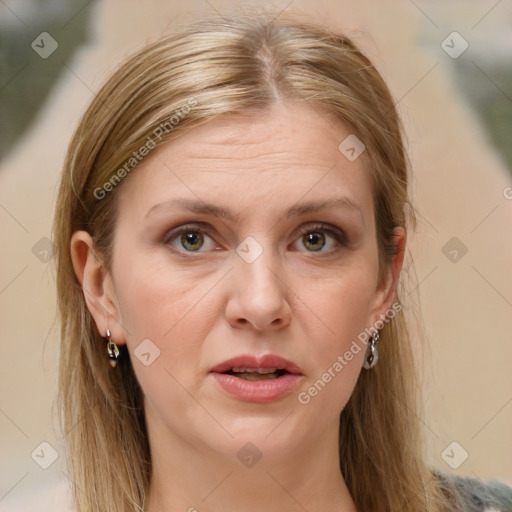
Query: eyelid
(337,233)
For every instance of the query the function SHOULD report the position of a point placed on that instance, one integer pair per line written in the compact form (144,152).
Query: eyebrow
(201,207)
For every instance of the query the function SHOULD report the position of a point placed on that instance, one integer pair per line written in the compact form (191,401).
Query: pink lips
(260,391)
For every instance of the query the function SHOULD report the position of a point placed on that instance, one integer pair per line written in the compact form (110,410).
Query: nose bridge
(260,294)
(257,264)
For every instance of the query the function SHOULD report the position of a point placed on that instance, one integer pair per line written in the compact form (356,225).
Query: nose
(259,295)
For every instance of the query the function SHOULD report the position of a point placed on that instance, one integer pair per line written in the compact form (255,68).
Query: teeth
(257,376)
(261,371)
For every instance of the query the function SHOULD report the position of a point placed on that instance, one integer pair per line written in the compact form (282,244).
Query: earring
(113,350)
(372,355)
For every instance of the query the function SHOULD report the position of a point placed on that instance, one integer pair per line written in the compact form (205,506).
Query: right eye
(188,238)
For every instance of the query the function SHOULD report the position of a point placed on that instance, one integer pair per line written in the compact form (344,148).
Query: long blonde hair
(230,65)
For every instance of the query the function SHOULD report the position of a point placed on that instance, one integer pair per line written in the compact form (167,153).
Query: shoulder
(470,494)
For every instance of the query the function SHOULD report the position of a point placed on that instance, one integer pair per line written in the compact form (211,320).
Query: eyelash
(338,235)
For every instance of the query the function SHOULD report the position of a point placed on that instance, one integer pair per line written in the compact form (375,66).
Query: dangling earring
(113,350)
(372,355)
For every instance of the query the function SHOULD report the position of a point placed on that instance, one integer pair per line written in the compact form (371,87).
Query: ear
(386,289)
(97,286)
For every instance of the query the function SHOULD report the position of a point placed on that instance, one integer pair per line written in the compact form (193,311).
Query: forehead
(271,157)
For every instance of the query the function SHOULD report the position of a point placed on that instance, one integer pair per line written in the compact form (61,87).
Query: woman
(231,229)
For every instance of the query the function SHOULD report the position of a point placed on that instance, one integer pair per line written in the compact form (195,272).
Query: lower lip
(258,391)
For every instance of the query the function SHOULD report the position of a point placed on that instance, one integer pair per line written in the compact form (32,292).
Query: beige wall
(458,187)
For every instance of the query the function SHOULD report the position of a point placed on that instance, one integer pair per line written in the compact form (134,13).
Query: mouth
(256,373)
(257,379)
(249,367)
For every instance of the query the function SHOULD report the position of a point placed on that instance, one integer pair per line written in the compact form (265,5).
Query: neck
(193,478)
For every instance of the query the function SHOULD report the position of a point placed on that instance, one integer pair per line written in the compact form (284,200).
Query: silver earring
(372,355)
(113,350)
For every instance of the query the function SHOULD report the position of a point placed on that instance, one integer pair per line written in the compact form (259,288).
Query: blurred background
(448,64)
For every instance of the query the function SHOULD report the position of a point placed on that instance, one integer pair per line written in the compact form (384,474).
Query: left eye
(315,238)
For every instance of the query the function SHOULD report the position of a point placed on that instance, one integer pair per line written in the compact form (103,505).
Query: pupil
(191,239)
(314,238)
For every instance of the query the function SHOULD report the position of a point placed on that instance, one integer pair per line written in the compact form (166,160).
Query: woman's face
(222,249)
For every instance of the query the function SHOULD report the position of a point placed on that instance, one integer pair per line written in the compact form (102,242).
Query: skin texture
(201,308)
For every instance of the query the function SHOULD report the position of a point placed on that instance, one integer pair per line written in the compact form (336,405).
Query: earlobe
(94,280)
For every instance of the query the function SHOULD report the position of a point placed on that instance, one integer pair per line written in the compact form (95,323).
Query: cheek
(163,315)
(163,306)
(175,310)
(343,307)
(154,299)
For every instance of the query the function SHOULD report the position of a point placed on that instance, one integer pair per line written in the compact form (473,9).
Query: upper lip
(264,361)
